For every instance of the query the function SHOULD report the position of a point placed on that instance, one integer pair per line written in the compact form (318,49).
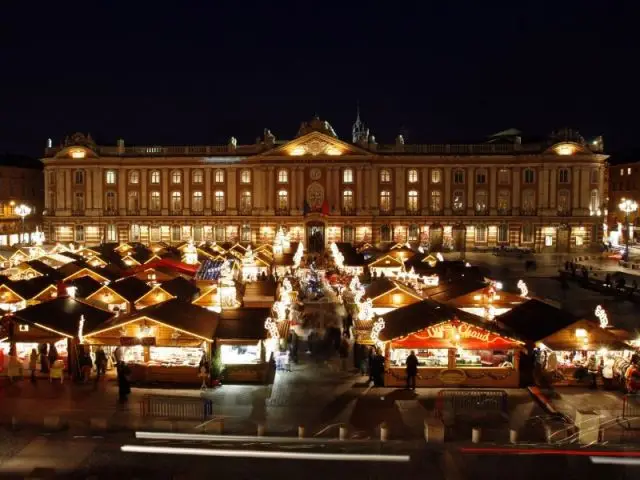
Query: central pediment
(316,144)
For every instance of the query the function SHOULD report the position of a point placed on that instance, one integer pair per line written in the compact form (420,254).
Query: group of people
(373,365)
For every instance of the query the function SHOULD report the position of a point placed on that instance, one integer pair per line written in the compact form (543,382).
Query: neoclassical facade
(549,196)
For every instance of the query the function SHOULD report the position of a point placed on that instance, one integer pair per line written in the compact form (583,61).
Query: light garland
(81,329)
(490,312)
(601,314)
(281,311)
(365,310)
(271,326)
(354,284)
(297,258)
(375,333)
(190,254)
(524,290)
(338,258)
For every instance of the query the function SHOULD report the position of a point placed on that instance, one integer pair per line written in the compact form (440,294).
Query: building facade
(624,182)
(21,183)
(548,196)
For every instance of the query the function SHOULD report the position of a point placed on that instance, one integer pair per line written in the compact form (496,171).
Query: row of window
(459,176)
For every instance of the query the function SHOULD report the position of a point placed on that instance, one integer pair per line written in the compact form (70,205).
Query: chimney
(400,143)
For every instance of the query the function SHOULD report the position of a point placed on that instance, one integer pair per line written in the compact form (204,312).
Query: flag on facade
(306,208)
(325,208)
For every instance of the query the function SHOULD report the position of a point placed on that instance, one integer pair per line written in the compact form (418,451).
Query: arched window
(595,175)
(385,176)
(412,175)
(219,233)
(245,202)
(348,234)
(111,201)
(79,177)
(414,233)
(110,177)
(218,177)
(112,233)
(594,201)
(155,177)
(197,203)
(134,177)
(154,201)
(197,176)
(176,201)
(481,201)
(458,201)
(347,175)
(385,201)
(283,176)
(481,234)
(79,233)
(529,175)
(245,176)
(218,199)
(283,200)
(504,201)
(176,233)
(385,233)
(347,200)
(481,176)
(245,233)
(412,201)
(78,202)
(176,177)
(503,233)
(528,201)
(436,175)
(504,176)
(527,233)
(458,176)
(133,202)
(436,201)
(563,175)
(564,201)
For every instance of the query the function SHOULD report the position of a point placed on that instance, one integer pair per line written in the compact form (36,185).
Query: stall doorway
(435,238)
(315,236)
(459,235)
(564,234)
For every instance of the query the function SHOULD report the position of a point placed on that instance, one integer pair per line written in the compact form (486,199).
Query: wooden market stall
(121,295)
(387,295)
(386,265)
(165,342)
(454,348)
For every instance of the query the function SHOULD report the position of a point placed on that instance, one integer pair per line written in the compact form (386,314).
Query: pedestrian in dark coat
(124,388)
(412,370)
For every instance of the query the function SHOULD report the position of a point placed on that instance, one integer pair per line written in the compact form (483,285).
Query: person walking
(124,388)
(53,355)
(86,365)
(344,353)
(592,368)
(412,370)
(33,364)
(101,363)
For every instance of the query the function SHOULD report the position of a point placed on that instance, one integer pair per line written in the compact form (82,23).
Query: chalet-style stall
(387,295)
(161,343)
(22,293)
(354,261)
(454,348)
(61,322)
(244,344)
(386,266)
(487,302)
(121,295)
(566,342)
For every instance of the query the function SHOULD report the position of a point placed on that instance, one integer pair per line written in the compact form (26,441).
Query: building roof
(63,314)
(242,324)
(20,161)
(535,320)
(352,258)
(44,269)
(28,289)
(447,291)
(383,285)
(85,286)
(130,288)
(181,288)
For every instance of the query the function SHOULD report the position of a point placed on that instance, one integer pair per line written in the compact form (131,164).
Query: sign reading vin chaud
(464,330)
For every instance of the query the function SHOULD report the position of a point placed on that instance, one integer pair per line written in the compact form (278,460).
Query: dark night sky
(184,73)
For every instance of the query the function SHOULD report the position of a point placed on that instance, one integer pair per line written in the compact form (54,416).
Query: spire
(358,131)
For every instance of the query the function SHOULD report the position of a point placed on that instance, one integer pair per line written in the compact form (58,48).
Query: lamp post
(22,211)
(627,206)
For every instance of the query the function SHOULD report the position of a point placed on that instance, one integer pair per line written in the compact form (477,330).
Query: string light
(81,329)
(439,257)
(601,314)
(297,258)
(271,326)
(338,258)
(365,310)
(375,333)
(524,290)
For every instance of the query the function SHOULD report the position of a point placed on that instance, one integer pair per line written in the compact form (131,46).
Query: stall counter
(452,377)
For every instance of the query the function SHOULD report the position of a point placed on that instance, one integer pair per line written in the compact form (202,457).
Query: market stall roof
(173,313)
(352,257)
(44,269)
(535,320)
(28,289)
(85,286)
(62,315)
(181,288)
(283,259)
(384,285)
(418,316)
(447,291)
(130,288)
(386,261)
(592,337)
(242,324)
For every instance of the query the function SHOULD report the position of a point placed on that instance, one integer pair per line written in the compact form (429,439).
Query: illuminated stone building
(547,195)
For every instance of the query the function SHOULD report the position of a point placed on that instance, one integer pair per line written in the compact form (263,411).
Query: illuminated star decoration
(601,314)
(81,329)
(524,290)
(375,332)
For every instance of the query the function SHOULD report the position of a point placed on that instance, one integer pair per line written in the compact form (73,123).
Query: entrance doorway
(459,236)
(435,238)
(564,234)
(315,236)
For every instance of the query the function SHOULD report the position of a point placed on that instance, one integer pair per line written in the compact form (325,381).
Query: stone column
(60,190)
(553,183)
(232,191)
(359,189)
(515,194)
(337,183)
(300,187)
(493,190)
(540,193)
(400,191)
(144,194)
(424,194)
(46,189)
(471,200)
(601,198)
(447,191)
(366,189)
(293,190)
(67,190)
(98,198)
(271,202)
(585,189)
(374,190)
(544,199)
(164,181)
(186,203)
(207,190)
(88,205)
(575,183)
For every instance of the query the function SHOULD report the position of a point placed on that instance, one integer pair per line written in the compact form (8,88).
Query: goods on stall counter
(282,362)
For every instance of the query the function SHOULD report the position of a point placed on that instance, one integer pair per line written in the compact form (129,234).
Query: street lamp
(627,206)
(22,211)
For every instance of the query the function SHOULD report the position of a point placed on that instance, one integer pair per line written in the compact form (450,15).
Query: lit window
(385,176)
(529,175)
(176,176)
(481,176)
(219,233)
(79,177)
(563,175)
(436,201)
(481,201)
(197,233)
(110,177)
(155,177)
(197,201)
(594,201)
(134,177)
(110,202)
(219,201)
(176,233)
(219,177)
(503,176)
(245,176)
(622,172)
(79,233)
(245,233)
(134,233)
(112,233)
(412,201)
(283,176)
(154,201)
(154,234)
(527,233)
(347,175)
(436,176)
(595,175)
(132,202)
(458,176)
(283,200)
(78,202)
(412,176)
(348,234)
(347,199)
(197,176)
(503,233)
(176,201)
(629,171)
(528,200)
(386,233)
(504,200)
(385,201)
(563,201)
(458,200)
(414,233)
(481,234)
(245,202)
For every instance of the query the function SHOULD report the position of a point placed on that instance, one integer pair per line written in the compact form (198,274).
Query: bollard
(384,433)
(300,431)
(261,429)
(342,435)
(513,435)
(475,435)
